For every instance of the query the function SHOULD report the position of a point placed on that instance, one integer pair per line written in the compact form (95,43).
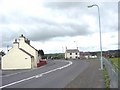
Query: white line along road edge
(21,72)
(37,76)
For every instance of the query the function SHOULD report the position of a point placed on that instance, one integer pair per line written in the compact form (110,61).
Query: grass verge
(106,79)
(115,62)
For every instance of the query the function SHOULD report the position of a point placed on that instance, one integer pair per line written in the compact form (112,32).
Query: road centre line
(37,76)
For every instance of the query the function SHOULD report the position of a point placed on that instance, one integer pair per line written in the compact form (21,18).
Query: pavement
(91,77)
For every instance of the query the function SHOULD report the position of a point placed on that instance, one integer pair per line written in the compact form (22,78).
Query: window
(70,57)
(76,53)
(76,57)
(70,53)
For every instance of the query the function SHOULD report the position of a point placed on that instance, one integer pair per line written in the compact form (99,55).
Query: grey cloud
(23,20)
(78,8)
(9,35)
(39,29)
(63,5)
(46,31)
(5,44)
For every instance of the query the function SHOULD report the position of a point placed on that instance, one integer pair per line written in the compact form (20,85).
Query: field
(116,63)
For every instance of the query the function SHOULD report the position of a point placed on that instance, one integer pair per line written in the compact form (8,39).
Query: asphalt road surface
(91,77)
(56,74)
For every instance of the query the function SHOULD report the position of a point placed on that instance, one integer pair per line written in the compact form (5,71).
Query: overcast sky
(52,26)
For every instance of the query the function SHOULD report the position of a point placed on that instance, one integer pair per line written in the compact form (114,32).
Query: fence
(113,74)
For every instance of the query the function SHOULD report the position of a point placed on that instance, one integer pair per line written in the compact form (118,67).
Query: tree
(41,53)
(2,53)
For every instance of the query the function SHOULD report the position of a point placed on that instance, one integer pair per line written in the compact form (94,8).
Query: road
(91,77)
(56,74)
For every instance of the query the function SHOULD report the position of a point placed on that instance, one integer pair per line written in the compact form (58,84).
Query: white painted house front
(21,56)
(72,54)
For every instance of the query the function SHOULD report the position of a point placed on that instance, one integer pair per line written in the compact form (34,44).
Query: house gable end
(26,52)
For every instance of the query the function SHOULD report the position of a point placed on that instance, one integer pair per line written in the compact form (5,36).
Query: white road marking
(37,76)
(17,82)
(54,69)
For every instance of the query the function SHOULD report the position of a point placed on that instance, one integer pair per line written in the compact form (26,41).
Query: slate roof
(26,42)
(72,50)
(26,52)
(32,47)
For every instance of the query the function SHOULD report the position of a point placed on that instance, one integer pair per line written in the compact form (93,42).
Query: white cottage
(72,54)
(21,56)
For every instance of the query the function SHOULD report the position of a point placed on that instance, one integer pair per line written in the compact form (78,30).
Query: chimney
(22,38)
(15,44)
(27,41)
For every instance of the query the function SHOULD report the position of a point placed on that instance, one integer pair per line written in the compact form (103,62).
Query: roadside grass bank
(116,63)
(106,79)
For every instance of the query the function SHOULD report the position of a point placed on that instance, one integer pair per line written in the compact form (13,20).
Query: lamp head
(92,5)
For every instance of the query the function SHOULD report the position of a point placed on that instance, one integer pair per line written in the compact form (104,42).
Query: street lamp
(99,31)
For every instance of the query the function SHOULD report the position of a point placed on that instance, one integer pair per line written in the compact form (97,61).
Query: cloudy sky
(53,26)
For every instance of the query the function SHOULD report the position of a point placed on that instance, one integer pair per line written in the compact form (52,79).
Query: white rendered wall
(67,55)
(30,50)
(16,59)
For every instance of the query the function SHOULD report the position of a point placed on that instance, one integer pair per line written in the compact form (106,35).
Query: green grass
(106,79)
(116,63)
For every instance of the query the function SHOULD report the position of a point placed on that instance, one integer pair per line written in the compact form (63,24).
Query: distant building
(72,54)
(21,56)
(87,55)
(84,55)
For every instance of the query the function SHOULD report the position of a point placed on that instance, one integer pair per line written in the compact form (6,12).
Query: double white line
(37,76)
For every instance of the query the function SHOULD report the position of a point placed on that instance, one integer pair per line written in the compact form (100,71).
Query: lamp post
(99,31)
